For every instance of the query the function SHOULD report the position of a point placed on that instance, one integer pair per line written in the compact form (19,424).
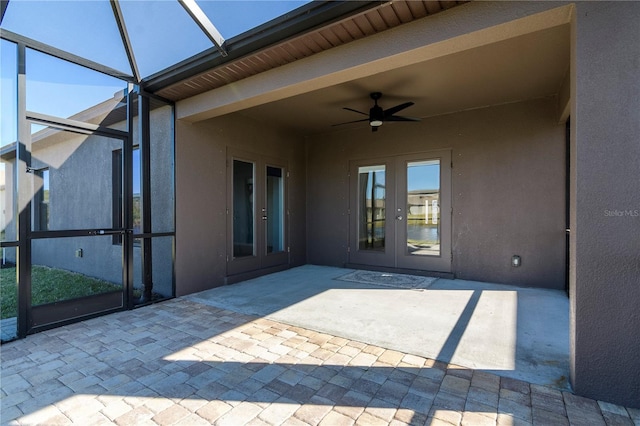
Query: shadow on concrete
(516,332)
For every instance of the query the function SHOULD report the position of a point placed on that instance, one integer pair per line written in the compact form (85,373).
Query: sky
(53,87)
(161,33)
(7,93)
(421,176)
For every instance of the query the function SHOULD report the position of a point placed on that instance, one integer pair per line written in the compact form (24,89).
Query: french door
(400,212)
(256,213)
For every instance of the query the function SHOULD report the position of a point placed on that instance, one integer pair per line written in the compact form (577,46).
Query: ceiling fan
(377,115)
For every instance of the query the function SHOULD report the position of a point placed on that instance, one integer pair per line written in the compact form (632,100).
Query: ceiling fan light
(375,123)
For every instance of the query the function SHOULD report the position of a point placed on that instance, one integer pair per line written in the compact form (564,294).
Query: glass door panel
(423,208)
(373,234)
(424,193)
(274,214)
(273,243)
(243,209)
(371,208)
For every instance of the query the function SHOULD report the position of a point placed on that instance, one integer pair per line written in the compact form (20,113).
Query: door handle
(111,231)
(399,217)
(264,217)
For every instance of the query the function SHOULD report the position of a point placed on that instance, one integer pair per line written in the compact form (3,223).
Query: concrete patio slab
(522,333)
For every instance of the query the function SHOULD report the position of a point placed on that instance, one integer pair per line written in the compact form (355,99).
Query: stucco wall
(605,207)
(508,189)
(201,181)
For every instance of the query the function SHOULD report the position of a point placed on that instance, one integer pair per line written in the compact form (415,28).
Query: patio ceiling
(531,65)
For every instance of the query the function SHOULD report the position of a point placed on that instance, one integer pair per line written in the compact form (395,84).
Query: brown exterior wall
(201,180)
(605,202)
(508,189)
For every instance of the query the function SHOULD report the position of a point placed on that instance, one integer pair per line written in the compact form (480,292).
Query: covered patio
(251,155)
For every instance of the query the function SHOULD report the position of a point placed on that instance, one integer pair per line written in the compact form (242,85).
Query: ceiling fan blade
(349,122)
(355,110)
(399,118)
(389,112)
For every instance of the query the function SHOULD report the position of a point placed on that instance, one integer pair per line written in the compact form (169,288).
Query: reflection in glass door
(243,211)
(274,214)
(257,214)
(371,208)
(372,238)
(423,208)
(424,196)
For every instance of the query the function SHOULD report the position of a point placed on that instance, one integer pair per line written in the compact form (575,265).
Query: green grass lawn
(48,285)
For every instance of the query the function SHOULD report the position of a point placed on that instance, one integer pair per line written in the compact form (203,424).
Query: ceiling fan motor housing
(376,116)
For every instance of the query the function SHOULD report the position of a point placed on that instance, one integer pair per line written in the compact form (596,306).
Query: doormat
(387,279)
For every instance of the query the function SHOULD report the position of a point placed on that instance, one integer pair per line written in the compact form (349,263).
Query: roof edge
(296,22)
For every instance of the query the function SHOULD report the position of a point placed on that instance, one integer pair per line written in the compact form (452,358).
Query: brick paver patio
(181,362)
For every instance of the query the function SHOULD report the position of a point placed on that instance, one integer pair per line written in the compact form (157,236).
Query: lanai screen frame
(309,16)
(21,194)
